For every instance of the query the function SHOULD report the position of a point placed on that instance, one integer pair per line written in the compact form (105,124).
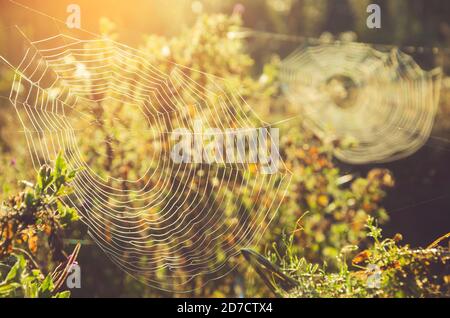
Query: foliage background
(418,205)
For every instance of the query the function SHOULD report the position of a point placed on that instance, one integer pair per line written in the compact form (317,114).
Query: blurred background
(418,205)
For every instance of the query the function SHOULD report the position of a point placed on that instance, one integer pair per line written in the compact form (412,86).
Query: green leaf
(60,164)
(29,199)
(66,214)
(16,269)
(46,288)
(40,180)
(7,289)
(30,287)
(272,276)
(64,294)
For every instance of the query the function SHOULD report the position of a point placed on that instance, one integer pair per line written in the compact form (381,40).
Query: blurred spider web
(380,106)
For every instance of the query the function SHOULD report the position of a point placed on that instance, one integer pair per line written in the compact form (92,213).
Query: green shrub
(385,269)
(31,225)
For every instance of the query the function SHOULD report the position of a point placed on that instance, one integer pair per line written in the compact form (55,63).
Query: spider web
(112,111)
(380,105)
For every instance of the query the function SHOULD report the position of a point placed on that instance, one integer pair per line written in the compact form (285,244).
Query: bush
(36,218)
(386,269)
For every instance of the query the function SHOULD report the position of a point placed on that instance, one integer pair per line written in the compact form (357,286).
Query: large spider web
(112,111)
(379,105)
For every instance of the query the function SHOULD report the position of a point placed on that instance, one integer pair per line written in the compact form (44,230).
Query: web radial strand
(380,105)
(112,111)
